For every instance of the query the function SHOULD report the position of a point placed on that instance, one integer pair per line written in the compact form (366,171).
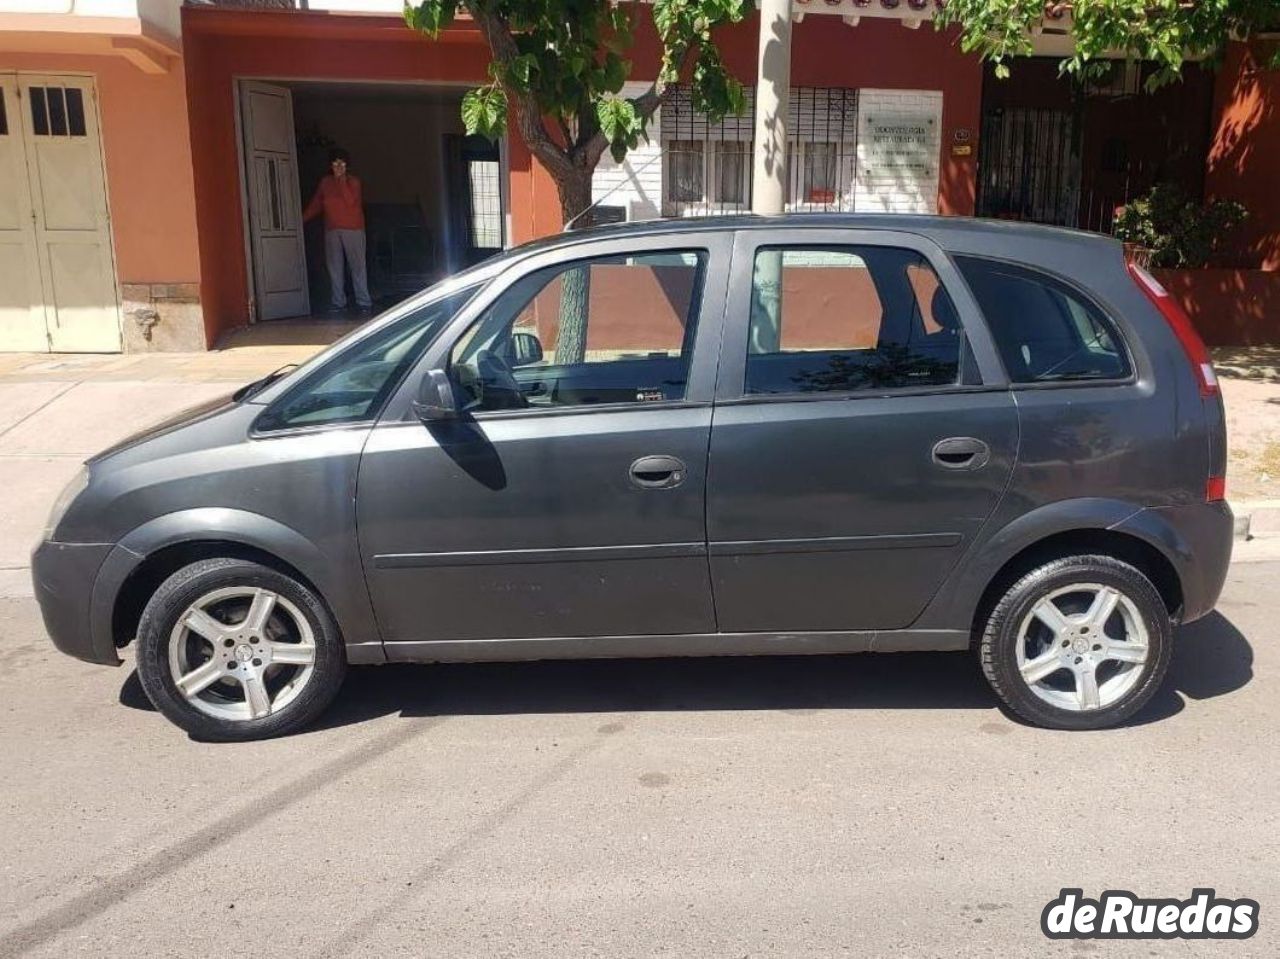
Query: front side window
(842,319)
(608,330)
(354,385)
(1044,330)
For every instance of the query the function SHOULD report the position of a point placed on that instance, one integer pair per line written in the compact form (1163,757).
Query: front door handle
(961,453)
(657,472)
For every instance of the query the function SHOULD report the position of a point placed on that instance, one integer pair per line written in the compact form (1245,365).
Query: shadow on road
(1211,658)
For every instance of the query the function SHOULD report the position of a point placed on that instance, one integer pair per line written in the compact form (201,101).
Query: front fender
(338,578)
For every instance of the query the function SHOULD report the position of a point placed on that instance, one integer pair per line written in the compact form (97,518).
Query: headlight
(64,500)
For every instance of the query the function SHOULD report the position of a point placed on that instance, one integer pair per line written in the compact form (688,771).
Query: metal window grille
(486,204)
(707,166)
(1031,165)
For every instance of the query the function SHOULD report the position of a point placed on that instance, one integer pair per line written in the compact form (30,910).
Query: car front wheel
(232,650)
(1079,643)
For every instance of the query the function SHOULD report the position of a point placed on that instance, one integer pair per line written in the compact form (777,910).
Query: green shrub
(1178,231)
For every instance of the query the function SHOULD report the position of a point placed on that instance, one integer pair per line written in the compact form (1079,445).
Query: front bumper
(64,575)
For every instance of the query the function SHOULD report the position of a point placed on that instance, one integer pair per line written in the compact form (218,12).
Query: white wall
(899,151)
(636,183)
(895,170)
(164,14)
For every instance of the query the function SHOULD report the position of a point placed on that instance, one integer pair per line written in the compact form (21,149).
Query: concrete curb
(1257,518)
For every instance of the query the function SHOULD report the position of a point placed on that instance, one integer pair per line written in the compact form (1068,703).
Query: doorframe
(289,81)
(23,119)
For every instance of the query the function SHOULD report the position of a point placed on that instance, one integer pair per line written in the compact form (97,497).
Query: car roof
(1001,238)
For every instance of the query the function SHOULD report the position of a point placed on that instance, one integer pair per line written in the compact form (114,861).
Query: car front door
(863,431)
(567,499)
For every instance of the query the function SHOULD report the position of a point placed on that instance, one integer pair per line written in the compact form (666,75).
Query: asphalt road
(857,806)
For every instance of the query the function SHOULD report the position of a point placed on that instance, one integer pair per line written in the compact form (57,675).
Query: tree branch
(528,116)
(646,104)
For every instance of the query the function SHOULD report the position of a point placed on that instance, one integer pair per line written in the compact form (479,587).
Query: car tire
(256,652)
(1051,617)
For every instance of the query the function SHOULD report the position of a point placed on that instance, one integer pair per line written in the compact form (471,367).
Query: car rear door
(568,502)
(863,431)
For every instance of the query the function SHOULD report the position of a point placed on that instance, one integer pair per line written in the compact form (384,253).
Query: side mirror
(435,400)
(525,349)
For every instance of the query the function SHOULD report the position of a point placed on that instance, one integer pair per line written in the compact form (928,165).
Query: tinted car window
(839,319)
(354,385)
(1045,331)
(607,330)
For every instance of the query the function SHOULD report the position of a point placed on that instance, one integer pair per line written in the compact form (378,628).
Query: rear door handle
(961,453)
(657,472)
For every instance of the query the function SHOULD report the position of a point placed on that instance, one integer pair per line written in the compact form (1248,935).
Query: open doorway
(433,198)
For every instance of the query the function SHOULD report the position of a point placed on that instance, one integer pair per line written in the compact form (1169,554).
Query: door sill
(690,644)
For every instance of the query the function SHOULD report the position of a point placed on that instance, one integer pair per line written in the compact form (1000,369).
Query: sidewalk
(58,409)
(242,356)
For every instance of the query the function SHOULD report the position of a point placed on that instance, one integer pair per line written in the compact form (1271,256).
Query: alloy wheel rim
(1082,647)
(241,653)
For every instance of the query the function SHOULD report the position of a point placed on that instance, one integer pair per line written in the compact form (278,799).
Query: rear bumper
(1197,539)
(63,575)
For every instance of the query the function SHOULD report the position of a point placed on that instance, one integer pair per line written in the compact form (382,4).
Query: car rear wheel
(1080,643)
(233,650)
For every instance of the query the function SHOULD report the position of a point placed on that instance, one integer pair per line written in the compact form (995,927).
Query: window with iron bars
(707,166)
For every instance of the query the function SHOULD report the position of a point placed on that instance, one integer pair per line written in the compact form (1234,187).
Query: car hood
(178,421)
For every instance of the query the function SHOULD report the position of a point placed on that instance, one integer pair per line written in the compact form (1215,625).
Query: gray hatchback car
(732,436)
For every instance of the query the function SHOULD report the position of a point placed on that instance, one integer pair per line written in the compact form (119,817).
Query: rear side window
(848,318)
(1044,330)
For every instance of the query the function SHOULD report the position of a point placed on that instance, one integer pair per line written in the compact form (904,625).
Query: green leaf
(618,119)
(615,73)
(522,68)
(484,112)
(431,16)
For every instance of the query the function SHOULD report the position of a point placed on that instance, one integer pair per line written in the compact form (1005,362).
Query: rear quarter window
(1045,330)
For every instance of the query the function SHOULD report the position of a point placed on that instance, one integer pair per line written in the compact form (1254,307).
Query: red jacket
(340,201)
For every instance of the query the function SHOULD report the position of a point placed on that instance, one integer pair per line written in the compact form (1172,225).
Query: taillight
(1215,489)
(1182,328)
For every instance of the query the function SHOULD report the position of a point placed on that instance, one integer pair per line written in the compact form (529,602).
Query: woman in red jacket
(338,197)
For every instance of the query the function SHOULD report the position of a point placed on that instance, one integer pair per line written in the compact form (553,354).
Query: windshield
(353,385)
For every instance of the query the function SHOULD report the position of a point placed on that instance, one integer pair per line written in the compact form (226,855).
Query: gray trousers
(348,245)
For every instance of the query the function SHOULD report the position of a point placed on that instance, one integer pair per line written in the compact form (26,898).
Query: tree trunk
(575,196)
(575,285)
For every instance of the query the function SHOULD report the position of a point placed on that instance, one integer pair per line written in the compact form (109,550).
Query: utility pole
(769,167)
(773,95)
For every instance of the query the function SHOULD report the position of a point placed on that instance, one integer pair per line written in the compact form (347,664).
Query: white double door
(57,272)
(275,221)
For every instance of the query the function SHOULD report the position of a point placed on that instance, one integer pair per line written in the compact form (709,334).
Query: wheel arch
(149,554)
(1129,532)
(142,582)
(1124,546)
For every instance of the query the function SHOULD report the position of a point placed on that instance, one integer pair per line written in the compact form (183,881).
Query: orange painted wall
(148,163)
(224,44)
(878,53)
(825,53)
(1229,307)
(1244,157)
